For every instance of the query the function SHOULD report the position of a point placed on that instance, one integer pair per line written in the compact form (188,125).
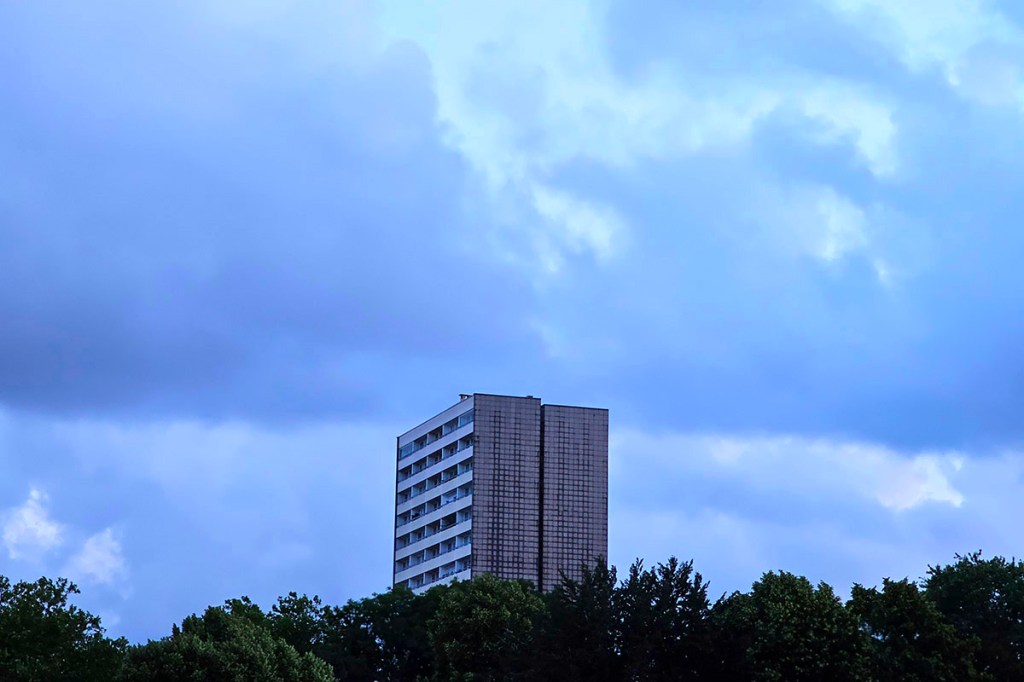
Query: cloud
(814,221)
(525,90)
(583,225)
(770,241)
(29,533)
(99,561)
(845,114)
(976,47)
(518,104)
(835,509)
(185,509)
(296,209)
(894,480)
(28,530)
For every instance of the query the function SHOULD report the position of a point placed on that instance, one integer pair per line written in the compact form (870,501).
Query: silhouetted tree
(910,640)
(785,629)
(964,624)
(664,614)
(984,598)
(580,632)
(43,637)
(298,620)
(484,629)
(232,643)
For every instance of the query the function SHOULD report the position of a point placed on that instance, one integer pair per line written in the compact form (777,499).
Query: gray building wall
(575,490)
(506,486)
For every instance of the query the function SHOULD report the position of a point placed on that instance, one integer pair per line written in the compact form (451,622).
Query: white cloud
(524,88)
(99,561)
(30,533)
(817,221)
(189,457)
(837,510)
(578,226)
(227,485)
(842,223)
(845,113)
(894,480)
(977,49)
(28,530)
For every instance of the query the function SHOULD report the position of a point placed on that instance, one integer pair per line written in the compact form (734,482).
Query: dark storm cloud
(195,223)
(721,317)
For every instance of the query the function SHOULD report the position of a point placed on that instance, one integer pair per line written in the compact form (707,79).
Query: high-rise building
(501,485)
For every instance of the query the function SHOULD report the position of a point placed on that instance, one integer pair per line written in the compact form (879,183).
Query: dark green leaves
(964,623)
(984,598)
(911,641)
(233,643)
(484,628)
(43,637)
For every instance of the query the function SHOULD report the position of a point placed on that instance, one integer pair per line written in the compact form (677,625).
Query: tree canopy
(963,622)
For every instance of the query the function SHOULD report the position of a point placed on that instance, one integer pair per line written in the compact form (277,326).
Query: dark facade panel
(575,490)
(506,487)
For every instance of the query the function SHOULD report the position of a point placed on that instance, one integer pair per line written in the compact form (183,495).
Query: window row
(434,457)
(431,436)
(437,479)
(434,527)
(434,551)
(464,490)
(446,571)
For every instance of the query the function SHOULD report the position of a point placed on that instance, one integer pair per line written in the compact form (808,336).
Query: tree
(579,634)
(484,629)
(910,640)
(984,598)
(298,621)
(383,637)
(785,629)
(43,637)
(664,615)
(232,643)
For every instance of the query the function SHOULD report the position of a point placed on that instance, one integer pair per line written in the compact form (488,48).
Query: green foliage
(786,629)
(911,641)
(579,635)
(965,623)
(226,644)
(298,620)
(44,638)
(984,598)
(484,629)
(664,614)
(383,637)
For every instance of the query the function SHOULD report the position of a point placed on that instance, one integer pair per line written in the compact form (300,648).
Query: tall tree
(298,620)
(43,637)
(580,631)
(910,640)
(484,628)
(984,598)
(786,629)
(232,643)
(664,614)
(383,637)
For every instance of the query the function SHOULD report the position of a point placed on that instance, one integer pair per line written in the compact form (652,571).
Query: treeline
(964,621)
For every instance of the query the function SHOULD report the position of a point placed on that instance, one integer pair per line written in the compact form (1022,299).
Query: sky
(243,245)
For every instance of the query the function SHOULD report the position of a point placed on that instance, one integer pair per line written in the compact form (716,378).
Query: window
(457,423)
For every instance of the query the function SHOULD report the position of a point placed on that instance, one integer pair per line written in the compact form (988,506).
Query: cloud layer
(840,511)
(245,244)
